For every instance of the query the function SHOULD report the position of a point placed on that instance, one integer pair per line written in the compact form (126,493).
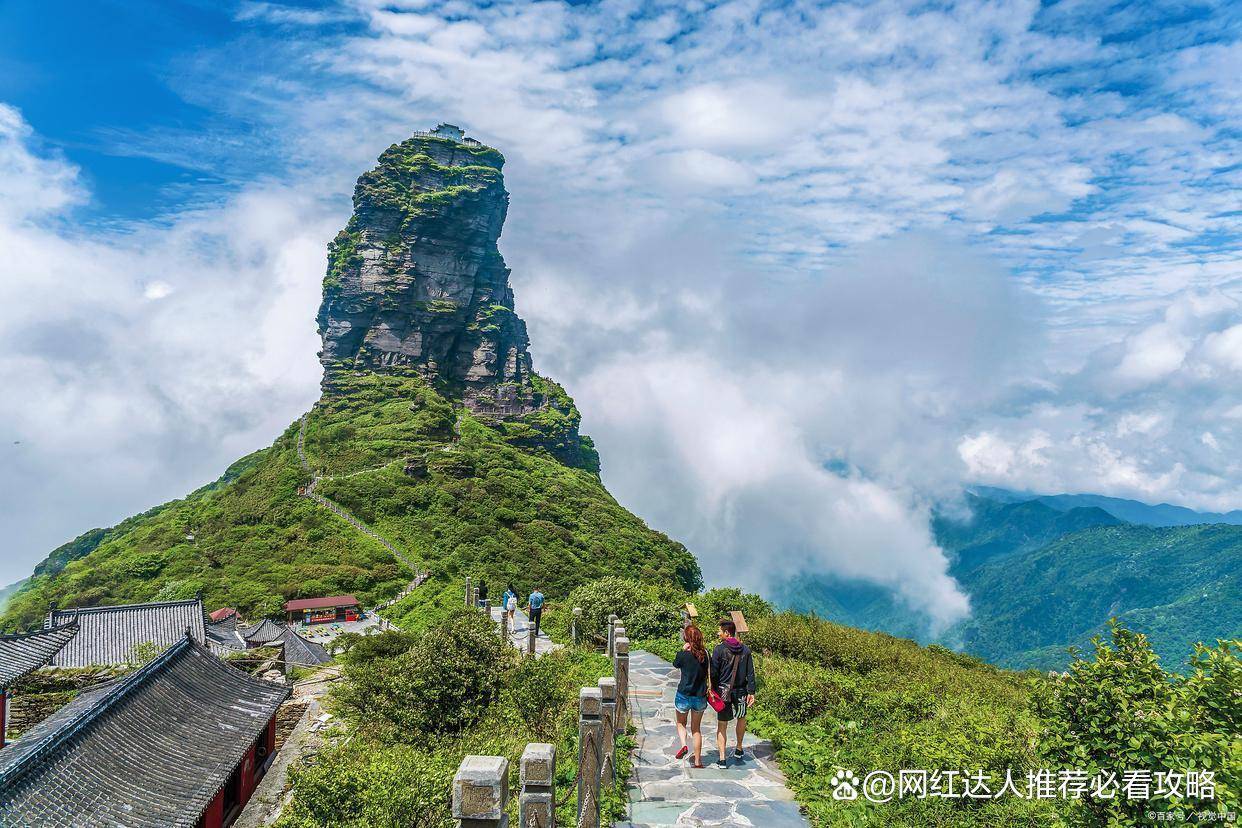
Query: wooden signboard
(691,611)
(740,621)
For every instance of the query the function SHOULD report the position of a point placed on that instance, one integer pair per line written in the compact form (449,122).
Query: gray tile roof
(302,652)
(108,635)
(26,652)
(223,636)
(148,749)
(266,631)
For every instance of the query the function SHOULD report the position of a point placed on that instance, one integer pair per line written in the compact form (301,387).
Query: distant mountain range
(1046,572)
(1131,511)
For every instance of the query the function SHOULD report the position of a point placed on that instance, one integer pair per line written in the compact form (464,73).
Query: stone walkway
(518,635)
(668,792)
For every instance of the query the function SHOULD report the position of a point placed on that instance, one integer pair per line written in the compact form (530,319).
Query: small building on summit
(182,741)
(112,635)
(450,131)
(223,613)
(322,610)
(24,653)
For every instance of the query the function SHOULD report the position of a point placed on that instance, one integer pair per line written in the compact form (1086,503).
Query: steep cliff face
(416,283)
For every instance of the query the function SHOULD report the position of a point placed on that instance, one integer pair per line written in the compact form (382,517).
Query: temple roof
(320,603)
(26,652)
(150,748)
(225,635)
(302,652)
(108,635)
(266,631)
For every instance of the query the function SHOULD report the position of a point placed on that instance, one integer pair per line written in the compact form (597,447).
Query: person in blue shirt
(536,608)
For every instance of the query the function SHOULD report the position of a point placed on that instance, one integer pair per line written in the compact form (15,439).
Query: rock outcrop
(416,282)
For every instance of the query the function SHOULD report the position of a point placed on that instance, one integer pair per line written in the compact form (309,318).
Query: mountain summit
(434,444)
(416,283)
(416,279)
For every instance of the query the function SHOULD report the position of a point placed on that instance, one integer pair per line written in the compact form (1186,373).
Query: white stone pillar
(537,801)
(590,742)
(481,792)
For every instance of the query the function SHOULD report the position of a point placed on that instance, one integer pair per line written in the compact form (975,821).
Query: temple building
(322,610)
(113,635)
(182,741)
(24,653)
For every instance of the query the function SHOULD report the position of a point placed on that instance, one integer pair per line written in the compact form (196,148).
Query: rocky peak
(416,282)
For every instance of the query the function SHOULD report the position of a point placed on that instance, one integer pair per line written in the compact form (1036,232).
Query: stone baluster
(537,801)
(481,792)
(467,590)
(487,607)
(590,742)
(504,624)
(612,633)
(608,715)
(573,625)
(474,598)
(530,637)
(621,672)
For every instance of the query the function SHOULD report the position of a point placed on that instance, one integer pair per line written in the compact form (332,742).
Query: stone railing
(481,786)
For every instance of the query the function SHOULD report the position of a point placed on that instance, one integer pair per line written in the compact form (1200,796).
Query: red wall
(213,817)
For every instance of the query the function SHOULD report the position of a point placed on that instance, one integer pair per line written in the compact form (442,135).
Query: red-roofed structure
(321,610)
(223,613)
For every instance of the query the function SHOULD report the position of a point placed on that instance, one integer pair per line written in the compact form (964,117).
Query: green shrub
(652,621)
(598,599)
(359,787)
(438,685)
(716,604)
(1120,710)
(538,690)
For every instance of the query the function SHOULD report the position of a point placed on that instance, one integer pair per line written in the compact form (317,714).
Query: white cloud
(924,243)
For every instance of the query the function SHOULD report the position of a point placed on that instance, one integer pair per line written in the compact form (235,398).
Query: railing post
(590,737)
(467,590)
(608,715)
(612,633)
(573,625)
(530,637)
(481,792)
(504,624)
(621,672)
(487,607)
(537,802)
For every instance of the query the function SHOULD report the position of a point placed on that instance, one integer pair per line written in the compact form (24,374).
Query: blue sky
(931,244)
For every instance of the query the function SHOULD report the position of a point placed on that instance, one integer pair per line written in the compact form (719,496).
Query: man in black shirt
(733,677)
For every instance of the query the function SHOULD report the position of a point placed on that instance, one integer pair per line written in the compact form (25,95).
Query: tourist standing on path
(482,591)
(536,608)
(511,599)
(691,698)
(733,677)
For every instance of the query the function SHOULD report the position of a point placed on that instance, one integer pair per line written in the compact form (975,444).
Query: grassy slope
(483,504)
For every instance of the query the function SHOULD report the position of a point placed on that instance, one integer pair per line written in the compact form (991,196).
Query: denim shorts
(685,704)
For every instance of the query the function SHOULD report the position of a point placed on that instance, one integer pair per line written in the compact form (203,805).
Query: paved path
(520,630)
(667,792)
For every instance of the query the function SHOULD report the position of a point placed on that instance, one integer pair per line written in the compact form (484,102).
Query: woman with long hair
(691,698)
